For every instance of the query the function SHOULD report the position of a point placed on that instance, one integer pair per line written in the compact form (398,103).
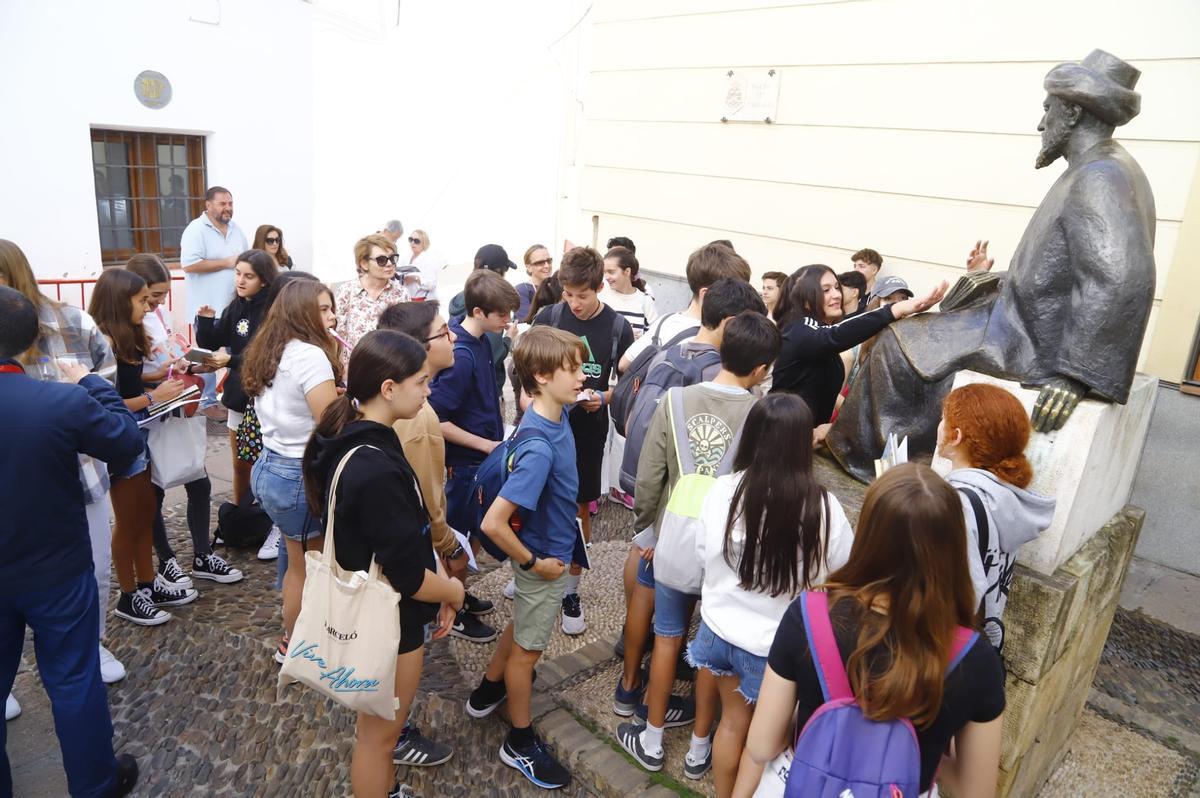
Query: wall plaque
(152,88)
(751,96)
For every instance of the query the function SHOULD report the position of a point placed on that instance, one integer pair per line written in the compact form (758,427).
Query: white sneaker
(510,590)
(111,669)
(11,707)
(269,550)
(572,615)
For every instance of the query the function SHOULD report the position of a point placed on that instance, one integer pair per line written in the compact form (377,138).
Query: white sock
(700,749)
(572,584)
(652,740)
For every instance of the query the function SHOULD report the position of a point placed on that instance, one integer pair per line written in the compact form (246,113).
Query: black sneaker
(483,701)
(419,751)
(625,702)
(478,606)
(136,607)
(402,791)
(573,622)
(630,737)
(163,595)
(127,776)
(696,770)
(170,572)
(536,763)
(210,566)
(680,712)
(468,627)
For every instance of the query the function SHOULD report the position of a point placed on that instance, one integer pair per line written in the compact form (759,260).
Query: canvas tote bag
(177,448)
(345,640)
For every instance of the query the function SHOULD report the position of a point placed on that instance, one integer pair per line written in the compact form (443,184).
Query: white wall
(450,117)
(69,65)
(909,127)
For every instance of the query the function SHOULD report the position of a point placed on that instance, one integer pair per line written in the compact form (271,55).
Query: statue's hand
(1056,402)
(978,260)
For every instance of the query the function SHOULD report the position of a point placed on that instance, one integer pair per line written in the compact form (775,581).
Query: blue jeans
(672,611)
(65,621)
(460,510)
(709,651)
(208,397)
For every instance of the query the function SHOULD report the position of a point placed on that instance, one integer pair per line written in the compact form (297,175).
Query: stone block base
(1056,626)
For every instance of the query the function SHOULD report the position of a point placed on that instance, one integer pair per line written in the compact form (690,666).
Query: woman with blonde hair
(291,369)
(420,276)
(539,265)
(269,239)
(68,332)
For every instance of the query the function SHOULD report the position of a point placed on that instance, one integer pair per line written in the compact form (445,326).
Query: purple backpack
(839,752)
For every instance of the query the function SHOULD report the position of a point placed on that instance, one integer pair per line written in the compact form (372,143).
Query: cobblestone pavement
(199,706)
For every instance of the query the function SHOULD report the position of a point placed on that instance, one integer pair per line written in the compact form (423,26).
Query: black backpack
(242,526)
(630,382)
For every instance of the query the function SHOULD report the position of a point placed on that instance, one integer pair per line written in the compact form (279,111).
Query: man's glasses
(542,262)
(271,240)
(383,260)
(415,241)
(445,332)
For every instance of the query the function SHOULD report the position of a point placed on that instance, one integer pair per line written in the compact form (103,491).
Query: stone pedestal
(1088,466)
(1056,626)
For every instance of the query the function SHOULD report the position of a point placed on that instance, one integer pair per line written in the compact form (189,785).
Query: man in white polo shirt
(208,252)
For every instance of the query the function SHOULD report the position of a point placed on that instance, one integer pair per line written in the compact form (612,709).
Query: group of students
(422,397)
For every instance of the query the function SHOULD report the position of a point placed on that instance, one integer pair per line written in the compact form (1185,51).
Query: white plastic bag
(177,447)
(345,640)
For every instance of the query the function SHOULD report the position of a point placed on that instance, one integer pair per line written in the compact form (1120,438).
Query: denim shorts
(672,611)
(278,484)
(710,652)
(645,573)
(141,462)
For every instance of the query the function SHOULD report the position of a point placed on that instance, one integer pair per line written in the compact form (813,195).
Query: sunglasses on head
(415,241)
(384,260)
(271,239)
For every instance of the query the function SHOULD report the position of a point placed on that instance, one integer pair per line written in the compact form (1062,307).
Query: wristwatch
(525,566)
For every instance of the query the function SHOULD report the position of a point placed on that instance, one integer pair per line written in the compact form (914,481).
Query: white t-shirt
(637,307)
(282,408)
(160,341)
(740,617)
(667,327)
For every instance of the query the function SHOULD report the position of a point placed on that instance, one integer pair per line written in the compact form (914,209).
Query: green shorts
(535,606)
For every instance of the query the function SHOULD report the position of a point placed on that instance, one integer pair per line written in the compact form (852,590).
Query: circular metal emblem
(152,88)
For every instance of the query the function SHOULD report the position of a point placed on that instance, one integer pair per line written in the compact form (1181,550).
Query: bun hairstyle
(995,430)
(627,261)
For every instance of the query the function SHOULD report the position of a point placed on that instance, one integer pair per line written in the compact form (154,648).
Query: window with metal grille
(148,187)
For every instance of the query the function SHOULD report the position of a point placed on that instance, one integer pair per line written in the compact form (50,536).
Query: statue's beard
(1054,146)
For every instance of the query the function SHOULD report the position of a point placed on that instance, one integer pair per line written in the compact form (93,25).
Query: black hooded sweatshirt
(379,511)
(237,325)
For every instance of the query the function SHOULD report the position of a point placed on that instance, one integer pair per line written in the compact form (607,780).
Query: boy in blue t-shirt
(542,486)
(468,407)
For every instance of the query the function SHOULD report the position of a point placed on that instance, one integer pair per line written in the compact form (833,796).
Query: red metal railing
(77,291)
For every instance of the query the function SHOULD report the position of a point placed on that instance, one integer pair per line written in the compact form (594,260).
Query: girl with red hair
(983,433)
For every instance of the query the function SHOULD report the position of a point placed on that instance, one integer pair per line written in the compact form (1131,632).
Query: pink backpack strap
(831,671)
(964,638)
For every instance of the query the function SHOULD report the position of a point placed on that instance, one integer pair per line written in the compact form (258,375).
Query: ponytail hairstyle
(628,262)
(909,588)
(293,316)
(800,296)
(111,306)
(995,430)
(380,355)
(782,507)
(548,293)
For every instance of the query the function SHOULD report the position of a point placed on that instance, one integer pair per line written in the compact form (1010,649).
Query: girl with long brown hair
(119,302)
(983,433)
(291,368)
(895,609)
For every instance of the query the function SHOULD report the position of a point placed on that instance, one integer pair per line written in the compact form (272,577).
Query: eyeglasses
(415,241)
(271,240)
(444,333)
(542,262)
(383,260)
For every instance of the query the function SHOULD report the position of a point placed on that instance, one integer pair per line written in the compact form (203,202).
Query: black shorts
(590,439)
(412,637)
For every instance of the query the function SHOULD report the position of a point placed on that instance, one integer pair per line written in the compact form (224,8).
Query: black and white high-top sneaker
(170,572)
(213,567)
(137,608)
(163,594)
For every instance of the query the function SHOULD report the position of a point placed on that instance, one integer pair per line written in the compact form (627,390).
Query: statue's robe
(1074,302)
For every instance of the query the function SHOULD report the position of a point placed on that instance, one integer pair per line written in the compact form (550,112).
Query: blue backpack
(490,478)
(840,752)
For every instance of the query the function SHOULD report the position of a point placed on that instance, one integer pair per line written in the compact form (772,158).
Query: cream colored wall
(909,127)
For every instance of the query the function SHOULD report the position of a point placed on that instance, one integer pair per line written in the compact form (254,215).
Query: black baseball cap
(493,257)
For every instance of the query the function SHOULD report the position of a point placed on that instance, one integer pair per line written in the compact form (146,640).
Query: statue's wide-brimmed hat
(1102,85)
